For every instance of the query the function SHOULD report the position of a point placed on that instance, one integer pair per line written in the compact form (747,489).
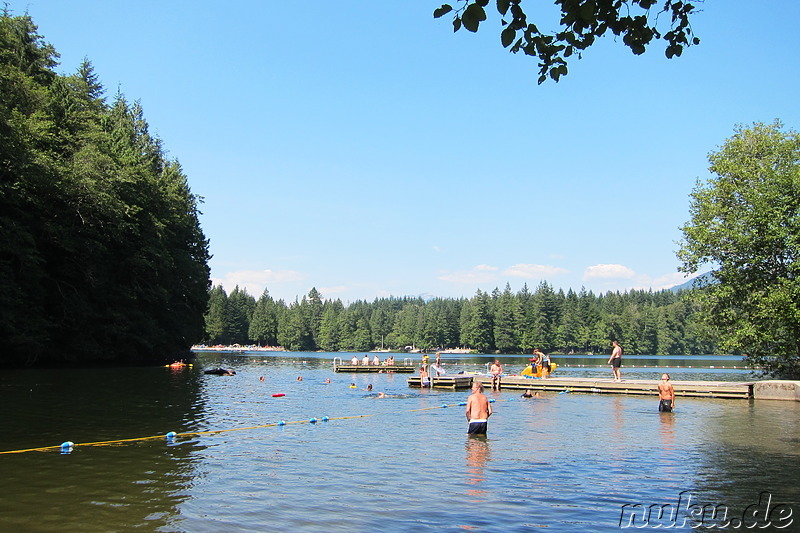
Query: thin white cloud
(608,272)
(667,281)
(326,292)
(534,271)
(479,274)
(437,248)
(256,280)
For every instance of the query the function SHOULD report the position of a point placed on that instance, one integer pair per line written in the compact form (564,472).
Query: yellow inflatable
(537,371)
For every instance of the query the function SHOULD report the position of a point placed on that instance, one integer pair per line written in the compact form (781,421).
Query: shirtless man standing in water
(666,393)
(478,410)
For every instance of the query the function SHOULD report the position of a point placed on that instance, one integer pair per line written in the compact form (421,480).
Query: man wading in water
(666,395)
(478,410)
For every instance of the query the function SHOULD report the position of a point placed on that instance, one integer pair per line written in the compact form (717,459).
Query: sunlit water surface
(563,462)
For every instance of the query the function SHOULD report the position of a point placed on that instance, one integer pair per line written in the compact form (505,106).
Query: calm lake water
(563,462)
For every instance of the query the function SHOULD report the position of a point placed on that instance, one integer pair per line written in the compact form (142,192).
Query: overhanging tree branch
(582,21)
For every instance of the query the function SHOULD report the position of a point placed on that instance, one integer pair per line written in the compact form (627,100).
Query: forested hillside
(644,322)
(102,259)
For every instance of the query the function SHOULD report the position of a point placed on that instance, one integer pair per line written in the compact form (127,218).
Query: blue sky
(364,149)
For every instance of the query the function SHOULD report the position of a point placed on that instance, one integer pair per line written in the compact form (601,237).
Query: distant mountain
(690,284)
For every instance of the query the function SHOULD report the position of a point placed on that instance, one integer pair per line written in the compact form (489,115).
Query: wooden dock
(649,387)
(448,381)
(384,369)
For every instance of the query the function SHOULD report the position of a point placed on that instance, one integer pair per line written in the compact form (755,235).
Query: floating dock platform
(447,381)
(385,369)
(649,387)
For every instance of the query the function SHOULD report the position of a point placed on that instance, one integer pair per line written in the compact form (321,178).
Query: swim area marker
(67,446)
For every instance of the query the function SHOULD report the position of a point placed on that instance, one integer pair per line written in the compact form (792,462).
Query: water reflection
(667,432)
(478,452)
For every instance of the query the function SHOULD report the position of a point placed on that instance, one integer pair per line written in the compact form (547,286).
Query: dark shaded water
(564,462)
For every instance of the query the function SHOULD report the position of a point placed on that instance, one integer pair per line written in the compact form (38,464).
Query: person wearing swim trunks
(616,361)
(666,395)
(424,377)
(478,410)
(496,371)
(545,360)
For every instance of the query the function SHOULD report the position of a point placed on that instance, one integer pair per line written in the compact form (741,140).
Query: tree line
(644,322)
(102,259)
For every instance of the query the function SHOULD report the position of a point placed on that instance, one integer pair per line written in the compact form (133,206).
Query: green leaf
(445,9)
(456,24)
(473,16)
(507,36)
(502,6)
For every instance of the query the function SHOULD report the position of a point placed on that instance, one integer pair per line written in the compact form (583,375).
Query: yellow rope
(209,432)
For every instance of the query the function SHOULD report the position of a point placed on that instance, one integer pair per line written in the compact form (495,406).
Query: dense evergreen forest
(644,322)
(102,259)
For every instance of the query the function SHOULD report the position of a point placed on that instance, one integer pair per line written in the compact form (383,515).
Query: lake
(562,462)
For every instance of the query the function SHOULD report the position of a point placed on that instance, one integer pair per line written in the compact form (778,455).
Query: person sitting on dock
(666,393)
(496,371)
(354,361)
(376,361)
(390,361)
(365,360)
(478,410)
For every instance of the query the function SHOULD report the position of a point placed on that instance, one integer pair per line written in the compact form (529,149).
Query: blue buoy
(171,435)
(462,403)
(313,420)
(67,444)
(492,400)
(444,405)
(282,423)
(325,418)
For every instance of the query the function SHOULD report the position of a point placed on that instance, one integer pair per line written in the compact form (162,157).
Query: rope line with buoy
(67,446)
